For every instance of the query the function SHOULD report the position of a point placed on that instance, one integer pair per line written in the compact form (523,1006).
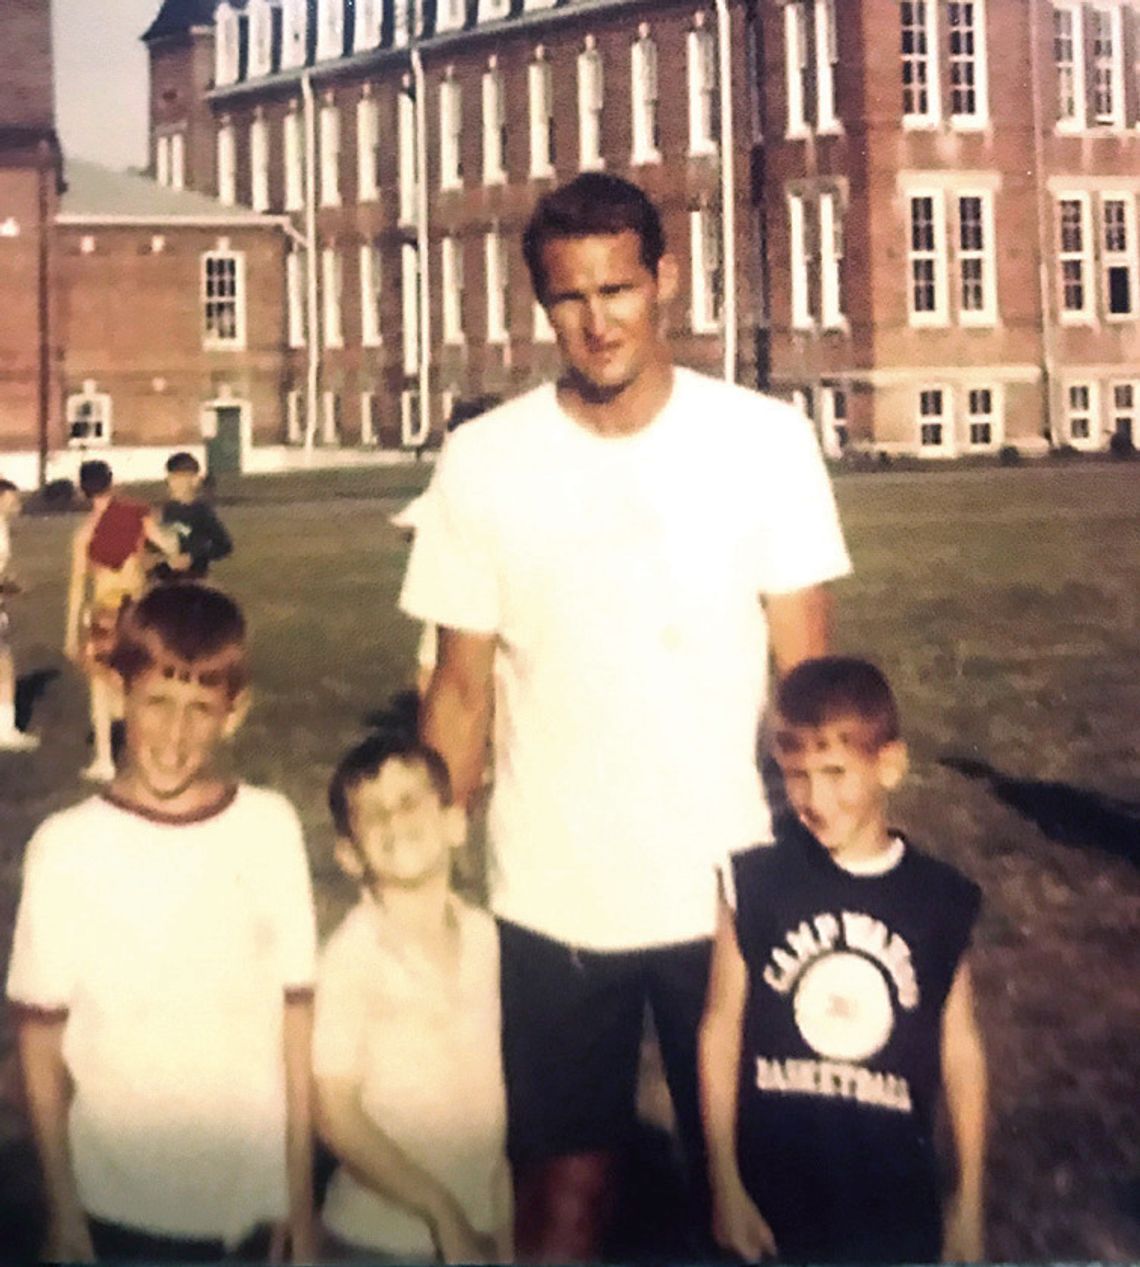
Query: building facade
(916,217)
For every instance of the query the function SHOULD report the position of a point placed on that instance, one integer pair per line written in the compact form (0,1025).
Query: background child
(406,1046)
(839,986)
(162,969)
(11,739)
(107,575)
(202,538)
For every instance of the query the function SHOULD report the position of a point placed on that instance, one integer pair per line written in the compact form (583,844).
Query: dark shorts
(572,1029)
(116,1242)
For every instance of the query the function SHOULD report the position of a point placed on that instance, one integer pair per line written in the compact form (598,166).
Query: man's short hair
(95,477)
(364,763)
(182,462)
(189,631)
(6,486)
(842,691)
(592,204)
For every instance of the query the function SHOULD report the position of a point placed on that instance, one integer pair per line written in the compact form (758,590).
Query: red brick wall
(25,65)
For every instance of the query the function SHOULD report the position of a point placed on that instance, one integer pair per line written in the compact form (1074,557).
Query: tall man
(610,559)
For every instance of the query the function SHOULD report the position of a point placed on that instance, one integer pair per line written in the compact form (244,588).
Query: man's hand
(458,1242)
(962,1240)
(68,1239)
(739,1227)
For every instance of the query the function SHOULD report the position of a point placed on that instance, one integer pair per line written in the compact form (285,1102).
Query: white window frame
(259,163)
(923,58)
(226,45)
(1118,257)
(217,296)
(260,58)
(494,253)
(986,313)
(826,60)
(162,159)
(293,150)
(295,314)
(833,431)
(700,61)
(408,160)
(410,306)
(332,297)
(450,132)
(1107,67)
(799,264)
(330,30)
(330,154)
(971,61)
(934,254)
(1124,412)
(368,434)
(294,34)
(367,25)
(1089,412)
(831,252)
(1081,255)
(414,427)
(591,100)
(294,422)
(450,15)
(177,160)
(98,408)
(644,89)
(494,126)
(705,303)
(494,10)
(330,417)
(1069,67)
(977,417)
(367,148)
(795,67)
(451,277)
(371,283)
(540,105)
(227,164)
(943,419)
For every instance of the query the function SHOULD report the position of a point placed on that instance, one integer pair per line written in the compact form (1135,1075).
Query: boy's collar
(201,815)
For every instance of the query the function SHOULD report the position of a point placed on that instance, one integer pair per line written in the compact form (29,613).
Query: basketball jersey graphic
(842,1007)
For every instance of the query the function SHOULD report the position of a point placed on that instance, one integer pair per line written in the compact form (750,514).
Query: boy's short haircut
(190,631)
(832,691)
(365,761)
(183,462)
(592,204)
(95,477)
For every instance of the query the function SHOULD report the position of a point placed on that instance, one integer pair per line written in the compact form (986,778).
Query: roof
(177,16)
(97,193)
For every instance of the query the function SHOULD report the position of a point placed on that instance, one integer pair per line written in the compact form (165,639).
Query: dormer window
(494,10)
(260,37)
(408,21)
(366,29)
(330,29)
(294,33)
(450,15)
(226,45)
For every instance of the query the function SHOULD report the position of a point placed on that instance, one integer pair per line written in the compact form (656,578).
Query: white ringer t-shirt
(169,946)
(623,578)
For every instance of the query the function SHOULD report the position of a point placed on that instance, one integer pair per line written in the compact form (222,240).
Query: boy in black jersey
(840,1006)
(202,536)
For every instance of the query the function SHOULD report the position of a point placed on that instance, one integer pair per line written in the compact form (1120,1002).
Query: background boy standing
(202,537)
(839,993)
(406,1045)
(162,969)
(11,739)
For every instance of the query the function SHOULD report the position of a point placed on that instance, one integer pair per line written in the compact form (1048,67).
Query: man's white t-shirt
(170,945)
(623,579)
(425,1053)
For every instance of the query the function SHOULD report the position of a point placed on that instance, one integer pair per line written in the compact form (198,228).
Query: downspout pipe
(314,331)
(727,186)
(422,245)
(1048,347)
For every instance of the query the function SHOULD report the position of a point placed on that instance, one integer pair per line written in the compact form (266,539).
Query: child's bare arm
(298,1033)
(163,539)
(376,1160)
(737,1224)
(75,589)
(965,1080)
(48,1090)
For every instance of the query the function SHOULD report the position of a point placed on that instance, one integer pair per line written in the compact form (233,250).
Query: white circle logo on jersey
(843,1007)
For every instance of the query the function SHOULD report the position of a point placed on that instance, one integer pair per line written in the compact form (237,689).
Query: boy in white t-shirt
(11,739)
(406,1043)
(162,970)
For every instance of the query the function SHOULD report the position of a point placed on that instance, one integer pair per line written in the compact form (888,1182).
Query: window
(833,421)
(591,92)
(366,25)
(223,299)
(451,284)
(177,160)
(1125,402)
(977,302)
(968,87)
(1107,67)
(702,90)
(227,165)
(294,33)
(332,291)
(407,21)
(410,303)
(1069,60)
(162,159)
(981,423)
(367,149)
(798,247)
(1073,257)
(294,423)
(413,427)
(450,134)
(932,428)
(1080,401)
(927,260)
(1119,256)
(541,329)
(643,86)
(330,417)
(294,146)
(494,127)
(295,298)
(330,155)
(707,283)
(408,166)
(540,92)
(259,164)
(226,45)
(369,430)
(920,105)
(796,65)
(497,304)
(493,10)
(260,37)
(450,15)
(826,60)
(330,29)
(830,259)
(370,276)
(88,417)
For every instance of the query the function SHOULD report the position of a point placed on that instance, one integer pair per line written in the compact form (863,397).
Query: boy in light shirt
(11,739)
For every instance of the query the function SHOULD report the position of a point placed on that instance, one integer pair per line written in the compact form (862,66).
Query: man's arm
(298,1036)
(799,625)
(456,714)
(737,1224)
(377,1161)
(965,1081)
(77,585)
(48,1090)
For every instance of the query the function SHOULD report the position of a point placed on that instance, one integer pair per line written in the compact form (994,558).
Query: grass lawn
(1002,602)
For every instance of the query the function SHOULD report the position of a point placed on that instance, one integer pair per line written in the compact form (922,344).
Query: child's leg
(102,767)
(11,739)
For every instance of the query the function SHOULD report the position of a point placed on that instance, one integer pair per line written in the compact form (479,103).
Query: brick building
(931,234)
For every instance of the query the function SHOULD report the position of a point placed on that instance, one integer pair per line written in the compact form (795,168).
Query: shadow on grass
(29,689)
(1068,815)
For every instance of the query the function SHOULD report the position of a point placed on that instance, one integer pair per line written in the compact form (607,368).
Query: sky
(101,78)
